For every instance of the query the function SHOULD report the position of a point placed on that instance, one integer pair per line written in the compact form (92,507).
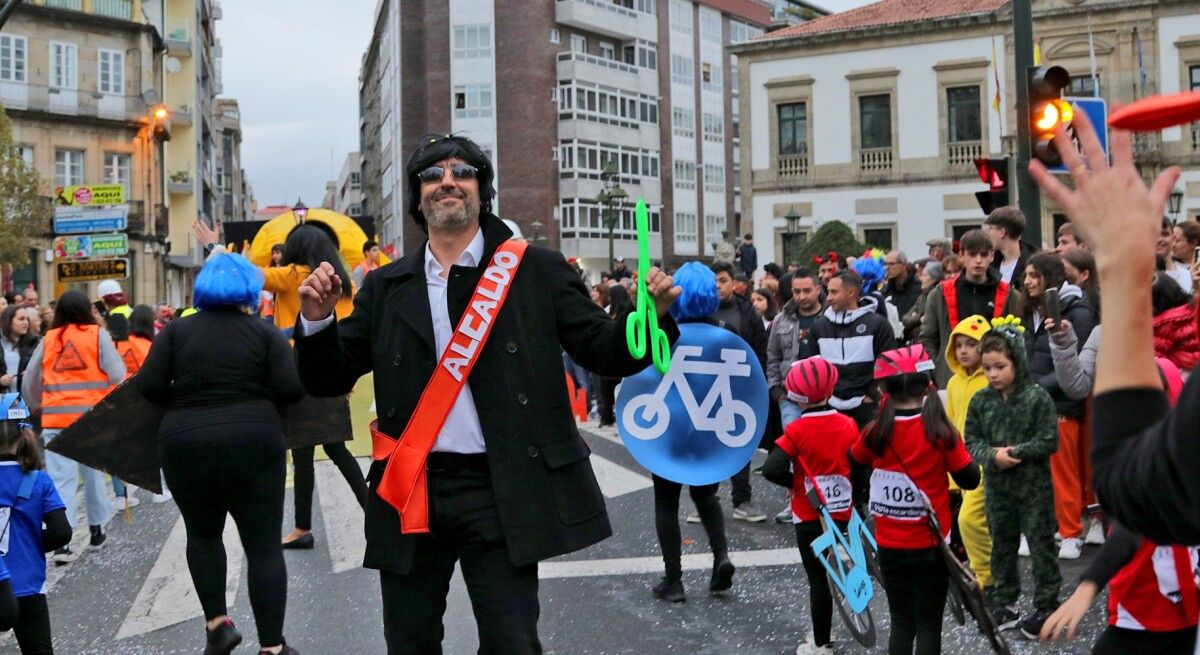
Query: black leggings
(820,600)
(236,469)
(305,478)
(916,582)
(1118,641)
(32,628)
(666,522)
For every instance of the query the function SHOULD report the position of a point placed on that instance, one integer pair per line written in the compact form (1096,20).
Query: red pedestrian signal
(994,173)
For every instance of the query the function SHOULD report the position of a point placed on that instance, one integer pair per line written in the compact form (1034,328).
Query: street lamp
(536,235)
(1174,203)
(299,211)
(793,230)
(610,197)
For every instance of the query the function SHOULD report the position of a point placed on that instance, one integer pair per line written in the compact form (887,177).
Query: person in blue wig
(695,305)
(872,271)
(223,377)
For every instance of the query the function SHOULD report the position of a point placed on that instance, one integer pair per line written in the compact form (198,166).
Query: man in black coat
(509,482)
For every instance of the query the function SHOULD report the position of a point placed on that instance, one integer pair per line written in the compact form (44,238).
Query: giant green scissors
(641,328)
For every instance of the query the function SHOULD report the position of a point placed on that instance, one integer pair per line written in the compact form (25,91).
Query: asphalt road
(134,596)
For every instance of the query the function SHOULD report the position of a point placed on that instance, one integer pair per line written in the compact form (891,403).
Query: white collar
(469,257)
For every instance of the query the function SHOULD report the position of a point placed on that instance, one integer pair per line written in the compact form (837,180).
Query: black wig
(434,148)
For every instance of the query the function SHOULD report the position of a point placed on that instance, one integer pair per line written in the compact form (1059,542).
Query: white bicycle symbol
(652,407)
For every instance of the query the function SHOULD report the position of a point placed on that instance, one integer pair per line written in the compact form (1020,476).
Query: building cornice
(99,20)
(872,73)
(72,119)
(792,80)
(961,64)
(873,32)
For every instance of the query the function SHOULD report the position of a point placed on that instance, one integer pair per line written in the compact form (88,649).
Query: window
(714,128)
(578,43)
(604,105)
(685,175)
(355,209)
(641,54)
(646,6)
(685,227)
(1194,72)
(473,101)
(710,75)
(714,178)
(962,110)
(63,59)
(681,70)
(681,17)
(26,153)
(714,225)
(608,50)
(555,37)
(1083,85)
(355,180)
(68,167)
(587,160)
(710,25)
(793,128)
(12,58)
(878,237)
(472,41)
(116,169)
(875,121)
(683,122)
(111,71)
(740,32)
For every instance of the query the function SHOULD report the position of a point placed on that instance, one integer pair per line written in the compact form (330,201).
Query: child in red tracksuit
(817,441)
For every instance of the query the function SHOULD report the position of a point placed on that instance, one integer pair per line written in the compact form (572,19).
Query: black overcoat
(547,496)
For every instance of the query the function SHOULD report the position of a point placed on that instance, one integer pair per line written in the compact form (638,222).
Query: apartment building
(79,81)
(874,116)
(344,195)
(569,98)
(235,198)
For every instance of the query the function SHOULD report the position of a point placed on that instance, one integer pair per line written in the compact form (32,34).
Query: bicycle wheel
(860,624)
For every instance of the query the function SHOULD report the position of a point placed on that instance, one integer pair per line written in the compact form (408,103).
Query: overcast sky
(293,66)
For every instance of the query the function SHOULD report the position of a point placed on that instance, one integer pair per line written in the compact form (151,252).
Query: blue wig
(870,268)
(227,280)
(699,297)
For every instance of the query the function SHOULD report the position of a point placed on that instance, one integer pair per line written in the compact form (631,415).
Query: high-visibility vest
(123,310)
(71,374)
(133,351)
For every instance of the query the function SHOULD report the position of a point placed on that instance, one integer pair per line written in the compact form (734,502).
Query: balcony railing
(114,8)
(792,165)
(964,153)
(72,102)
(77,5)
(875,160)
(598,61)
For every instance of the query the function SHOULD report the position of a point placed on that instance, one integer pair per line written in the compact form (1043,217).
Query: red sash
(403,484)
(950,294)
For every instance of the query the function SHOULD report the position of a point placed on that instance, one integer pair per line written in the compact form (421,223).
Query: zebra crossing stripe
(616,480)
(342,516)
(639,565)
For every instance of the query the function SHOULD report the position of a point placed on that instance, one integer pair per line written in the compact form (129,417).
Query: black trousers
(916,582)
(464,527)
(33,626)
(304,477)
(740,483)
(666,522)
(237,470)
(820,599)
(1119,641)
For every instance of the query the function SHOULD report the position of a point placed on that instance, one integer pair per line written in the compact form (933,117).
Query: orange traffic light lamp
(1048,110)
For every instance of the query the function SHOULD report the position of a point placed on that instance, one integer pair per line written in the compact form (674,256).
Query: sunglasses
(459,171)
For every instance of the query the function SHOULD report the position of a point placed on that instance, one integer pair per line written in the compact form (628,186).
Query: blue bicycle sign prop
(849,561)
(700,422)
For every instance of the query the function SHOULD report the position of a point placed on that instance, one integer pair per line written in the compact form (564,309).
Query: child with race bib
(1012,429)
(912,446)
(33,522)
(816,443)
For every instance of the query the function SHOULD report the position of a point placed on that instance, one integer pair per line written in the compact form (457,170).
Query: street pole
(1028,198)
(612,225)
(5,11)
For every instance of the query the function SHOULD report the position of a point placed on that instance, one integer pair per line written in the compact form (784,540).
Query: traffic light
(1047,109)
(994,173)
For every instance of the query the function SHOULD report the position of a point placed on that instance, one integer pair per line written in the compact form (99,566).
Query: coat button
(511,347)
(396,360)
(391,412)
(523,399)
(533,451)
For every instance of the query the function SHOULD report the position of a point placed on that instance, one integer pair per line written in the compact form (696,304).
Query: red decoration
(1157,112)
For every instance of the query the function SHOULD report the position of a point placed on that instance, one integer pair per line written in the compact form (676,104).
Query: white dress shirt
(462,432)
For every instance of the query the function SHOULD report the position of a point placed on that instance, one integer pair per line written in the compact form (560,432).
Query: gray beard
(451,220)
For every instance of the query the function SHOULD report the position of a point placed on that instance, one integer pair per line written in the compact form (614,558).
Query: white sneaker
(1071,548)
(1095,534)
(161,498)
(128,499)
(1023,549)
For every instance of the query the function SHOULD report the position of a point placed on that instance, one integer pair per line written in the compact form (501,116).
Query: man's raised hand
(320,293)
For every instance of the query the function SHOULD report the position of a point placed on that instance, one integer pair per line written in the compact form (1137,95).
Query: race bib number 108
(894,495)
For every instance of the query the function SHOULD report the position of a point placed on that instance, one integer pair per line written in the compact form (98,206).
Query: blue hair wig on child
(699,297)
(870,268)
(227,280)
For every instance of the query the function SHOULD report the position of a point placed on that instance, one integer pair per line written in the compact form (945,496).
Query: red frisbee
(1157,112)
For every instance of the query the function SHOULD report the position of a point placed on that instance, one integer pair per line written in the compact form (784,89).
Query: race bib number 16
(836,489)
(894,495)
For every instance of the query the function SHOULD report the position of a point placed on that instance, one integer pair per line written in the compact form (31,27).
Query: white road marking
(167,596)
(616,480)
(640,565)
(342,516)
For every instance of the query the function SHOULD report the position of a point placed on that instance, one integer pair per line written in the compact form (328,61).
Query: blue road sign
(1097,111)
(82,221)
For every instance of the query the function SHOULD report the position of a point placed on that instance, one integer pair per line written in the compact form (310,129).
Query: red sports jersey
(896,501)
(821,439)
(1156,590)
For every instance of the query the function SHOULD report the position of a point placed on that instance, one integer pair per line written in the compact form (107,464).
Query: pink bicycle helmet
(909,359)
(811,380)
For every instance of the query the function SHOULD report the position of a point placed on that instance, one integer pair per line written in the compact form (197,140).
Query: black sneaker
(98,536)
(669,590)
(1031,625)
(223,639)
(64,555)
(1005,616)
(722,576)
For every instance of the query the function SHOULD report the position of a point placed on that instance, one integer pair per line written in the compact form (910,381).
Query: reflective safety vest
(123,310)
(133,351)
(71,374)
